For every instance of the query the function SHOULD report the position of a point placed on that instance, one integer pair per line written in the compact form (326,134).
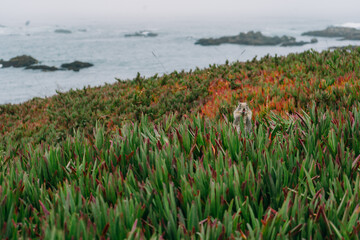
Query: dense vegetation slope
(88,164)
(282,84)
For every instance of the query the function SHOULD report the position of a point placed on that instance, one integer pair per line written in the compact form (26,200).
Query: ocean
(117,56)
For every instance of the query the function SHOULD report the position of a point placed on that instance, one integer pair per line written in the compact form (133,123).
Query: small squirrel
(243,111)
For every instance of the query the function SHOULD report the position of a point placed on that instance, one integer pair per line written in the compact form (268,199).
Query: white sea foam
(351,24)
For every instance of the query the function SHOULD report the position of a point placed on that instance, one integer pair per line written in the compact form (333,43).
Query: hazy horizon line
(175,19)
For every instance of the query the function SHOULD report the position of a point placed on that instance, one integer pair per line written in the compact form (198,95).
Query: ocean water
(116,56)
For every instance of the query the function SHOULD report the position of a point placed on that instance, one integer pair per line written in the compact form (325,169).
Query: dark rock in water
(293,44)
(142,34)
(62,31)
(250,38)
(82,30)
(345,33)
(43,68)
(19,61)
(27,23)
(2,26)
(348,48)
(313,40)
(29,63)
(301,43)
(76,66)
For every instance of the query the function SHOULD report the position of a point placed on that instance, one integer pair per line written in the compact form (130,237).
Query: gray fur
(243,112)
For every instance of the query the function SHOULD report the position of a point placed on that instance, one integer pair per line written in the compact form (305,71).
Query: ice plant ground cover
(280,84)
(88,164)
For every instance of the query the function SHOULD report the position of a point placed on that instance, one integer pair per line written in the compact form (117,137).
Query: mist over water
(115,56)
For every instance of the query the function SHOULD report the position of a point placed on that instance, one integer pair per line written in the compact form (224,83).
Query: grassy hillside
(88,164)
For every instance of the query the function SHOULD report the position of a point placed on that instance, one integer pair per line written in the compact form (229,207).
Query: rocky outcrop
(29,62)
(64,31)
(142,34)
(43,68)
(301,43)
(76,66)
(19,61)
(251,38)
(345,33)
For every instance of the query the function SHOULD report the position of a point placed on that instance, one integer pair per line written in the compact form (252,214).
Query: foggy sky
(55,10)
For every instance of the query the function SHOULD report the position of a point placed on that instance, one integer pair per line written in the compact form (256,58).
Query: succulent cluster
(296,177)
